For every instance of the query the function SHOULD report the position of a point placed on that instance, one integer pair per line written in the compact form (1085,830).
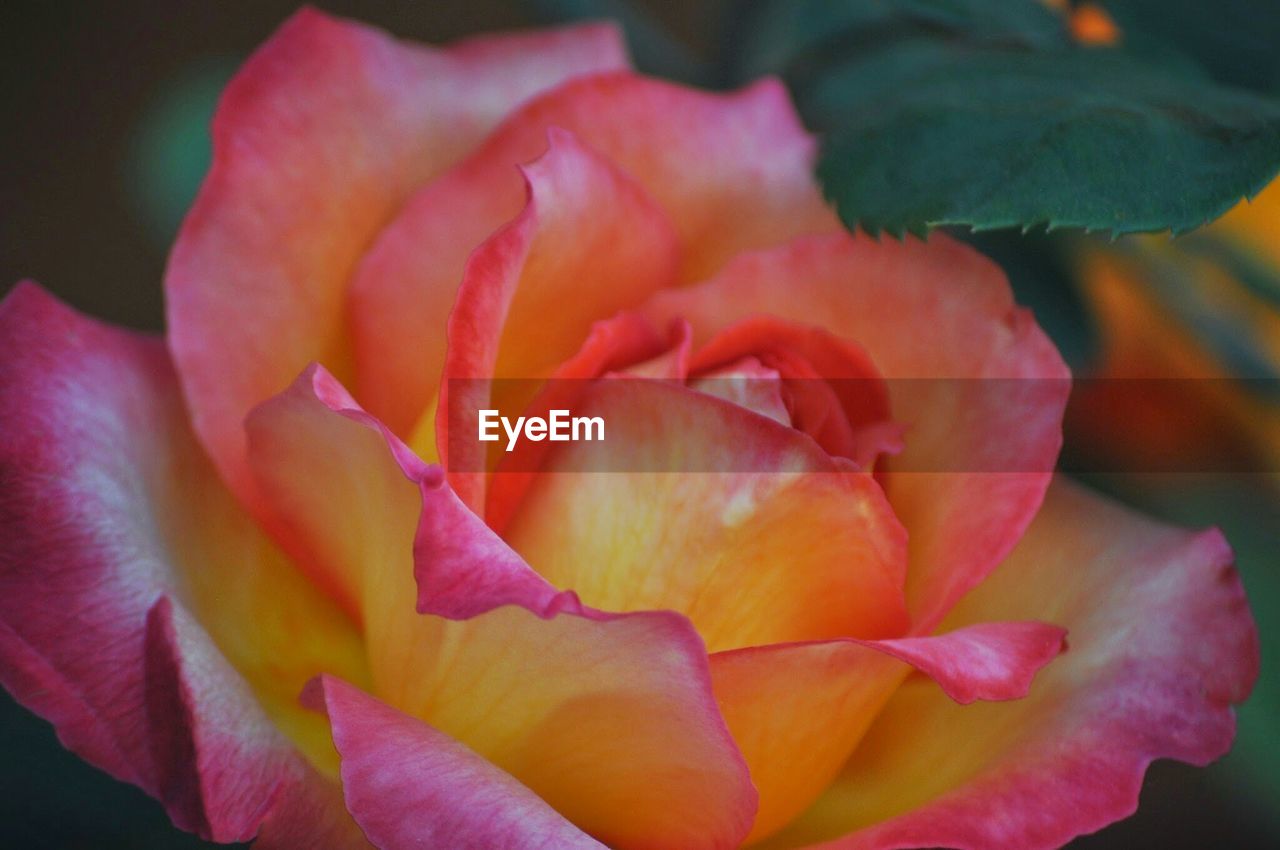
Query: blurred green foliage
(988,114)
(170,150)
(1235,41)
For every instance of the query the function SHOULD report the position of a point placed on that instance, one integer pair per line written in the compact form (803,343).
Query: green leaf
(1236,41)
(933,131)
(984,114)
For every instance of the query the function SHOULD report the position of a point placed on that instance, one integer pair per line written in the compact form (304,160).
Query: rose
(164,616)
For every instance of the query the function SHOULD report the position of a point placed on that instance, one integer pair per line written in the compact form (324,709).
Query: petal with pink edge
(410,786)
(589,243)
(317,142)
(982,402)
(109,506)
(1162,645)
(625,341)
(224,770)
(798,710)
(752,186)
(610,719)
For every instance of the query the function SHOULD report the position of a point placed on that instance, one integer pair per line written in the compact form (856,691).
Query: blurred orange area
(1091,25)
(1191,314)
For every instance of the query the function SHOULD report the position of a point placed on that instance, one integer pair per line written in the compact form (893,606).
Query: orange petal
(752,186)
(798,710)
(962,516)
(588,244)
(1161,645)
(608,719)
(761,507)
(626,342)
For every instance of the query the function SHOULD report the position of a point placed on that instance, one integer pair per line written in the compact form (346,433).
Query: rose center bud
(739,494)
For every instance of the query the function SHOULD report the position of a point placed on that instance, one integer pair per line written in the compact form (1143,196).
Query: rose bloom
(268,605)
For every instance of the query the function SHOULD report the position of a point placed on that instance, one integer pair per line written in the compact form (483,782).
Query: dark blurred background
(105,111)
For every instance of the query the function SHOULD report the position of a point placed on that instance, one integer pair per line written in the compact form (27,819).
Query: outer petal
(1161,645)
(588,244)
(224,770)
(798,710)
(609,719)
(320,138)
(108,506)
(733,172)
(982,448)
(630,526)
(409,785)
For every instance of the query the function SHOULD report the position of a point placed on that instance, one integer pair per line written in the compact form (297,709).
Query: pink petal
(224,770)
(1162,644)
(798,710)
(981,448)
(588,244)
(109,511)
(987,661)
(319,139)
(752,186)
(410,786)
(463,572)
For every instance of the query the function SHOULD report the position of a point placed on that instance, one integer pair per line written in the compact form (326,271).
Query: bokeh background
(105,108)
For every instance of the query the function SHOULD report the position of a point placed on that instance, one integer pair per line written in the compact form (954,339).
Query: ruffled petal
(689,499)
(610,719)
(1162,645)
(343,496)
(979,450)
(409,785)
(334,497)
(752,186)
(109,509)
(318,140)
(798,710)
(224,771)
(588,244)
